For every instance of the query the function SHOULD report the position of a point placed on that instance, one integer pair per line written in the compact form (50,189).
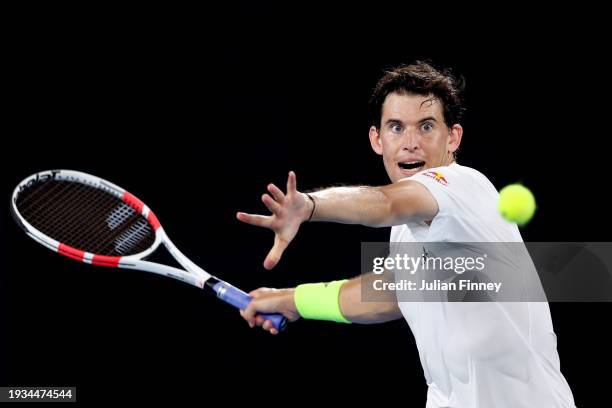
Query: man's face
(413,136)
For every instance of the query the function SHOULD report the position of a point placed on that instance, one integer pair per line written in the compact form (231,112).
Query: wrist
(310,207)
(290,300)
(320,301)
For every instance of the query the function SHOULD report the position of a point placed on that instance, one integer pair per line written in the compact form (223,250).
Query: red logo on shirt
(439,177)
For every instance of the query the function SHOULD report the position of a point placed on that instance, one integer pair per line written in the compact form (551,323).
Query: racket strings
(28,201)
(97,207)
(51,216)
(58,208)
(61,206)
(95,235)
(85,218)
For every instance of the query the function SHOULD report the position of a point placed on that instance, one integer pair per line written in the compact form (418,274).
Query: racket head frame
(193,274)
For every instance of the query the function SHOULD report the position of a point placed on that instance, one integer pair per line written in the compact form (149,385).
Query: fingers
(267,326)
(255,320)
(258,304)
(253,219)
(250,320)
(291,184)
(276,192)
(258,321)
(272,205)
(249,313)
(275,253)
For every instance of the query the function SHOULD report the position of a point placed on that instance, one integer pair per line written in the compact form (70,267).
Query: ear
(375,140)
(454,140)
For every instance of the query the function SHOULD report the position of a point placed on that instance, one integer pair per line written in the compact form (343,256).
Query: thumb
(275,253)
(259,291)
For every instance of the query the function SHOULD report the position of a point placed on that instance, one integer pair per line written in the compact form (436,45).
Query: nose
(410,140)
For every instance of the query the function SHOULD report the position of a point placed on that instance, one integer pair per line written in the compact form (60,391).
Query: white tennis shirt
(480,354)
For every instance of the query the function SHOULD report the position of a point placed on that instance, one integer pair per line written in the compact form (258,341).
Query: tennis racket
(93,221)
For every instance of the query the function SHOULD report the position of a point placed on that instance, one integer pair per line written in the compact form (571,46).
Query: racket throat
(212,285)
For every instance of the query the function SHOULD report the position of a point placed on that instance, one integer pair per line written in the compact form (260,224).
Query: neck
(448,159)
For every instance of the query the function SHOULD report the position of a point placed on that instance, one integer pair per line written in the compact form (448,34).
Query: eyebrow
(428,118)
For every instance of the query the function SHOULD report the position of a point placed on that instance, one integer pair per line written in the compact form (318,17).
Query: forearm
(355,309)
(351,205)
(338,301)
(372,206)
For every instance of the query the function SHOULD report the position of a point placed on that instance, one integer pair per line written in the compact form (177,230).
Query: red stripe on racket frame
(153,220)
(71,252)
(132,201)
(138,205)
(103,260)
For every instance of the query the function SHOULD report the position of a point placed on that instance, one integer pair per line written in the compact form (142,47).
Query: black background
(195,111)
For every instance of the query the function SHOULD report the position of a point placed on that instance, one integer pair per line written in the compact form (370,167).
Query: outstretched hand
(288,212)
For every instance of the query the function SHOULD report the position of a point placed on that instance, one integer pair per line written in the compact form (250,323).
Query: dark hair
(420,78)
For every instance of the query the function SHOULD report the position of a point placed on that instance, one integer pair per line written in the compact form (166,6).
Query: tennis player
(474,354)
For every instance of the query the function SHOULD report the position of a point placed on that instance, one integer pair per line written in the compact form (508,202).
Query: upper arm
(409,201)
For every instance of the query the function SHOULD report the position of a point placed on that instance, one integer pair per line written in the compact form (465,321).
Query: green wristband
(320,301)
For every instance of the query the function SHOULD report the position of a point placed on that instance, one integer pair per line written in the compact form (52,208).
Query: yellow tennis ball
(516,204)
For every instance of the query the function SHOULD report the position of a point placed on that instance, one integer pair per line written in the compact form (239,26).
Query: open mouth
(411,165)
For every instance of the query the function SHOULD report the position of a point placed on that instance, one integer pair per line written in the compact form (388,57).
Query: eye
(396,127)
(427,127)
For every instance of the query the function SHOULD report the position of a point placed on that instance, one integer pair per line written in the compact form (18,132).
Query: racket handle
(241,300)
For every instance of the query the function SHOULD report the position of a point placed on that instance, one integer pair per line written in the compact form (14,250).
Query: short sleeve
(442,183)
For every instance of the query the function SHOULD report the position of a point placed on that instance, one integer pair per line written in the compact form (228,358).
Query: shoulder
(456,186)
(454,177)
